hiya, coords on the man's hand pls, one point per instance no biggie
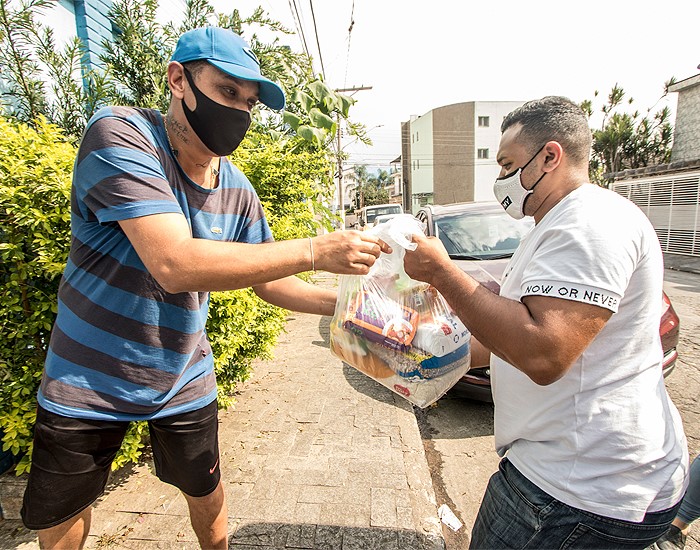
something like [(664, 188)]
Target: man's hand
[(428, 261), (347, 252)]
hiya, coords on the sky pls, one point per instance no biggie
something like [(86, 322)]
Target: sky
[(420, 55)]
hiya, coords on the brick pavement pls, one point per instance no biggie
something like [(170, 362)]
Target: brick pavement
[(313, 455)]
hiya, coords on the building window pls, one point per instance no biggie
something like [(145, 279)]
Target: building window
[(418, 164), (425, 199), (484, 121), (482, 153), (417, 136)]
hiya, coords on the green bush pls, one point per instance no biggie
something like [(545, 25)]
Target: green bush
[(35, 175), (287, 157), (241, 328), (294, 184), (35, 172)]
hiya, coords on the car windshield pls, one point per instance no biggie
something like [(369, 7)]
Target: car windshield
[(374, 212), (483, 236)]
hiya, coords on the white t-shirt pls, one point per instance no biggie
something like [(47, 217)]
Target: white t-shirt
[(604, 438)]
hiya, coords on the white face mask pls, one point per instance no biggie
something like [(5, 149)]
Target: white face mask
[(509, 190)]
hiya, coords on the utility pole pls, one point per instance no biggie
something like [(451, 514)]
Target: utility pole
[(341, 201)]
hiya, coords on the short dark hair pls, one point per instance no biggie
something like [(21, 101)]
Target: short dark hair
[(195, 67), (553, 118)]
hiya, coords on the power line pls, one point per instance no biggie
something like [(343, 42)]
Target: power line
[(347, 58), (341, 195), (318, 45), (300, 30)]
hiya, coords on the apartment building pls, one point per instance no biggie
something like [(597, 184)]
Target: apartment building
[(449, 153)]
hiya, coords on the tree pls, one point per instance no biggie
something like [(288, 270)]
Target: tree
[(140, 53), (371, 188), (25, 94), (41, 80), (627, 140), (288, 158), (137, 57)]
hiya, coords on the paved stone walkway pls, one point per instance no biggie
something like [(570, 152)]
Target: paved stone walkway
[(313, 455)]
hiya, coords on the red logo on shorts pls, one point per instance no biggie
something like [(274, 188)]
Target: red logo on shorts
[(211, 470), (402, 390)]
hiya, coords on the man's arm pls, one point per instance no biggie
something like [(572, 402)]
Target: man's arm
[(181, 263), (540, 336), (294, 294)]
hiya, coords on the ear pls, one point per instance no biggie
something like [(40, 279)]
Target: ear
[(553, 156), (176, 79)]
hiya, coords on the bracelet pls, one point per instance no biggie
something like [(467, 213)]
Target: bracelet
[(311, 248)]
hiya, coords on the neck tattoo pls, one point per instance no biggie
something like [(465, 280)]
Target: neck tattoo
[(213, 172), (167, 135)]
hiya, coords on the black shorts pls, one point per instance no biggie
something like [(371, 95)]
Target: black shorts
[(72, 457)]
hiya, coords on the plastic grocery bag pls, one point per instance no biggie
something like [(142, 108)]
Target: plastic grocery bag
[(400, 332)]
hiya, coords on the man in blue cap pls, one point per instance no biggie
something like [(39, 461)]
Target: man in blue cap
[(160, 217)]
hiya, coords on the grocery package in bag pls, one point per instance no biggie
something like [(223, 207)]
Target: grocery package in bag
[(400, 332)]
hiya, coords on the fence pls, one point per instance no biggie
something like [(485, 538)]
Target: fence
[(672, 204)]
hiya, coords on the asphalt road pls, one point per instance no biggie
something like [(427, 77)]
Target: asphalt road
[(458, 434)]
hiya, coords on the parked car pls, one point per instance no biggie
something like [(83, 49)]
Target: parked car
[(480, 238), (367, 215), (384, 218)]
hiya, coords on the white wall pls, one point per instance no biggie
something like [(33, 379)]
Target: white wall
[(422, 157), (396, 181), (486, 170), (349, 186), (60, 17), (686, 136)]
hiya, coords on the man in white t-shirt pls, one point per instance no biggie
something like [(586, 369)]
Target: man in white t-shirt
[(594, 450)]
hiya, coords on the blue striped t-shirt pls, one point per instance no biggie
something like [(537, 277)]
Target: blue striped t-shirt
[(122, 348)]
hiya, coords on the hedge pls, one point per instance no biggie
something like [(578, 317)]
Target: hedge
[(35, 176)]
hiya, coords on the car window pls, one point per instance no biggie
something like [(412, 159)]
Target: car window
[(374, 212), (383, 218), (481, 235)]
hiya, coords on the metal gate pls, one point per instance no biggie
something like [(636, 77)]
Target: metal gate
[(672, 204)]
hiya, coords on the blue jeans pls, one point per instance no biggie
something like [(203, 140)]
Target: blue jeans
[(690, 506), (515, 513)]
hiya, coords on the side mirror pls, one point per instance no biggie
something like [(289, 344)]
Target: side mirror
[(362, 222)]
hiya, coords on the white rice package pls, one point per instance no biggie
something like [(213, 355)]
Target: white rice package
[(400, 332)]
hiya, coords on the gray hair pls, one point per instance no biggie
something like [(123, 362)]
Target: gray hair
[(553, 118)]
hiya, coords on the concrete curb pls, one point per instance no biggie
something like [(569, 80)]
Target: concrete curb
[(679, 262)]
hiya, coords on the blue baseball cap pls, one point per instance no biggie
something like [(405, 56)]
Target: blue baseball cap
[(228, 52)]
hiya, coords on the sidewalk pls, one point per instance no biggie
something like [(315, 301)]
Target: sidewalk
[(313, 455), (679, 262)]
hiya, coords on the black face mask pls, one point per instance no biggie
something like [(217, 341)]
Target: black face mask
[(220, 128)]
